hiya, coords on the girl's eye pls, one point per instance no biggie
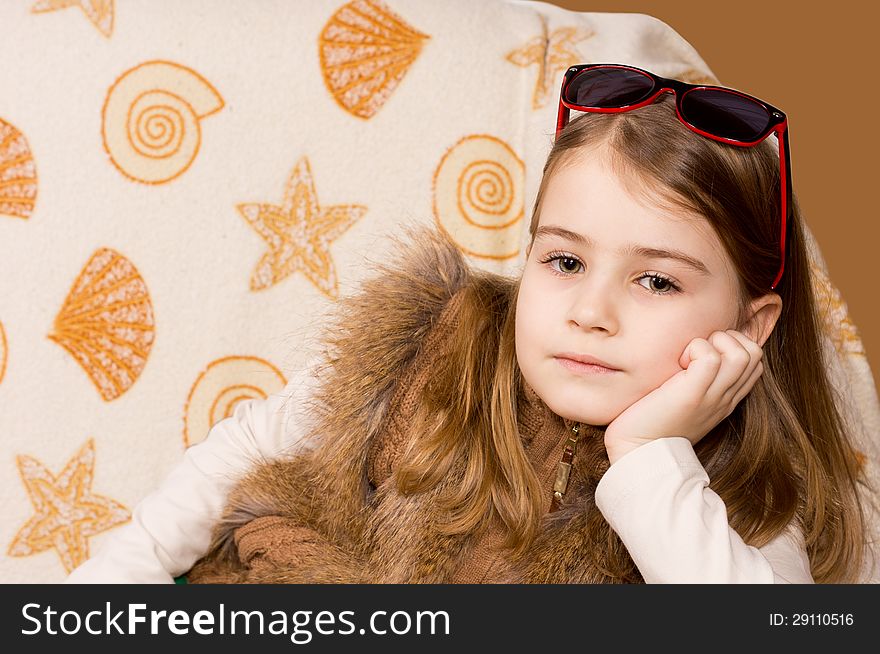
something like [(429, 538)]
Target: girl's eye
[(667, 286), (568, 265)]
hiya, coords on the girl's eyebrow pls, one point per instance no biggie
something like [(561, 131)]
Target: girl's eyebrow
[(630, 249)]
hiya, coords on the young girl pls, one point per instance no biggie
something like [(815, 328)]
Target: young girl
[(646, 403)]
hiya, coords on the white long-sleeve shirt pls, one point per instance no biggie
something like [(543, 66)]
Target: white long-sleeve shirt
[(657, 498)]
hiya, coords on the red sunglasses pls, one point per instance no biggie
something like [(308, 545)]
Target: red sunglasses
[(715, 112)]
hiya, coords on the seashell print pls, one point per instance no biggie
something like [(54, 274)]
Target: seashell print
[(221, 386), (2, 352), (106, 323), (478, 196), (151, 120), (66, 510), (99, 12), (365, 49), (18, 175)]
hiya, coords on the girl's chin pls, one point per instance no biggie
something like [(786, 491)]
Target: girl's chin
[(597, 418), (588, 405)]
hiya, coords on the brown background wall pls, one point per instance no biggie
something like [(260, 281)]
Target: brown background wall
[(815, 65)]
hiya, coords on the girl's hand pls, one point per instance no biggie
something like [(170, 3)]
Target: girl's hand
[(717, 373)]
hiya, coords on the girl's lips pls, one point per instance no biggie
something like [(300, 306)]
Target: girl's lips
[(585, 368)]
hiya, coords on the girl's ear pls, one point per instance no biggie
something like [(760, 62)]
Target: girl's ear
[(764, 311)]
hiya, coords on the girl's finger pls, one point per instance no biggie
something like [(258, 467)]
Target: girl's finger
[(751, 346), (696, 348), (701, 362), (735, 364), (754, 350), (748, 385)]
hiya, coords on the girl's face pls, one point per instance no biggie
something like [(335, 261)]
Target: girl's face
[(596, 283)]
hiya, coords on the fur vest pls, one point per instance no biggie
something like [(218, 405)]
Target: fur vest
[(331, 512)]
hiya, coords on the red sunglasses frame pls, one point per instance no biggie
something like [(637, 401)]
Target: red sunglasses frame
[(778, 125)]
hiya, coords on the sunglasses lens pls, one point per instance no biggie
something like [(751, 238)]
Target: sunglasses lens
[(608, 87), (725, 114)]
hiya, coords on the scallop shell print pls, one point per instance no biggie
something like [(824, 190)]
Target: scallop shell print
[(478, 196), (365, 50), (106, 323), (221, 386), (18, 176), (151, 120)]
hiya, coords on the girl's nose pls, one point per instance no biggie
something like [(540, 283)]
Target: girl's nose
[(594, 307)]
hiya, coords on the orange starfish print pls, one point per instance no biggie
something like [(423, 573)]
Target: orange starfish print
[(299, 233), (552, 53), (66, 512), (100, 12)]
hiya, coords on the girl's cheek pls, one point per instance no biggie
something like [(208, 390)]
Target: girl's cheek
[(660, 362)]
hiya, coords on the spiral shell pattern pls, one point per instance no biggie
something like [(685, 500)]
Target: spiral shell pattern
[(18, 176), (221, 386), (365, 50), (151, 120), (106, 323), (478, 196)]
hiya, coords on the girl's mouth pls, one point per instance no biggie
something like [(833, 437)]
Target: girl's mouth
[(585, 368)]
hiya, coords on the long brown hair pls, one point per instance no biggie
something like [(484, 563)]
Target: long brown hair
[(783, 455)]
